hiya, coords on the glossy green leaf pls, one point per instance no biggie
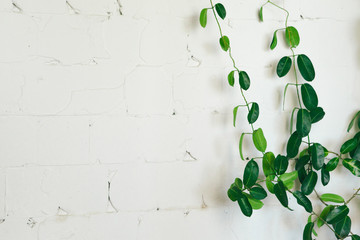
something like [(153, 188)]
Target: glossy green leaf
[(353, 166), (220, 9), (273, 41), (306, 67), (258, 193), (235, 110), (261, 14), (245, 205), (240, 145), (318, 156), (303, 201), (231, 78), (332, 164), (269, 184), (325, 176), (317, 114), (342, 228), (303, 122), (224, 43), (280, 193), (281, 164), (302, 174), (323, 215), (288, 179), (309, 183), (307, 231), (238, 183), (351, 124), (309, 96), (301, 162), (330, 197), (268, 164), (283, 66), (292, 37), (337, 214), (259, 140), (253, 113), (348, 146), (293, 145), (251, 173), (255, 203), (355, 237), (234, 193), (203, 17), (244, 80), (355, 154)]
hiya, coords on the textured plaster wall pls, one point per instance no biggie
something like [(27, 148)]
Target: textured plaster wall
[(115, 116)]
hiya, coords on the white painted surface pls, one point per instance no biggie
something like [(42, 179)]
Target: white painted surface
[(140, 100)]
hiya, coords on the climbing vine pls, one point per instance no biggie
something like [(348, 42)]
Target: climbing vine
[(313, 162)]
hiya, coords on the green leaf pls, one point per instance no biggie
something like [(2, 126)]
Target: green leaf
[(325, 176), (245, 205), (240, 145), (268, 164), (323, 215), (220, 9), (292, 118), (355, 154), (261, 14), (269, 184), (283, 66), (259, 140), (303, 201), (234, 193), (280, 193), (235, 114), (253, 113), (303, 122), (244, 80), (302, 174), (318, 156), (355, 237), (255, 203), (337, 214), (353, 166), (302, 162), (306, 67), (292, 37), (258, 193), (348, 146), (353, 121), (224, 43), (281, 164), (288, 179), (317, 114), (231, 78), (251, 173), (292, 147), (309, 96), (307, 231), (309, 183), (342, 228), (238, 183), (332, 164), (273, 41), (203, 17), (330, 197)]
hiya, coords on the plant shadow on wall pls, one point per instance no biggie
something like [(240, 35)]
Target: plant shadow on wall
[(306, 163)]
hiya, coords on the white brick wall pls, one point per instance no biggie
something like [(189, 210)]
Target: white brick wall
[(137, 107)]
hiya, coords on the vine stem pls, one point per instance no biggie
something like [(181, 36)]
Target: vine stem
[(353, 196)]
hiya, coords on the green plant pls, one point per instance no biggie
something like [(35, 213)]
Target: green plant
[(313, 163)]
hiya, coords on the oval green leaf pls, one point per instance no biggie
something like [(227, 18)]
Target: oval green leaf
[(253, 113), (244, 80), (318, 156), (245, 205), (349, 145), (255, 203), (292, 37), (302, 162), (283, 66), (203, 17), (220, 9), (273, 41), (259, 140), (342, 228), (309, 96), (325, 176), (261, 14), (269, 184), (323, 215), (240, 145), (234, 193), (224, 43), (292, 147), (303, 122), (309, 183), (355, 237), (337, 214), (303, 201), (332, 164), (302, 174), (235, 114), (330, 197), (281, 164), (258, 193), (288, 179), (251, 173), (355, 154), (353, 166), (306, 67), (307, 234), (317, 114), (353, 121), (231, 78), (280, 193), (268, 164)]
